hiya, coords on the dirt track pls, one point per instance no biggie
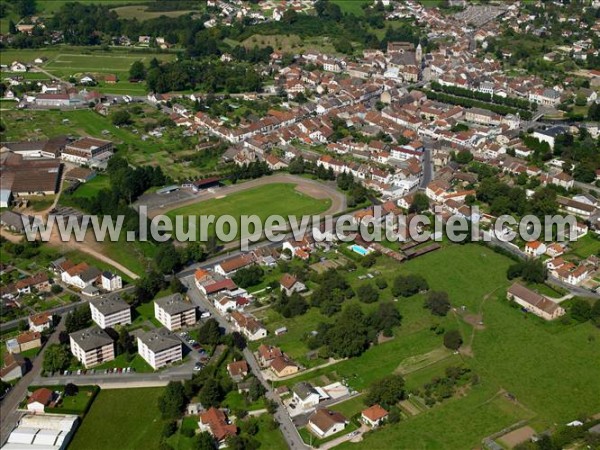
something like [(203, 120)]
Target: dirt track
[(312, 188)]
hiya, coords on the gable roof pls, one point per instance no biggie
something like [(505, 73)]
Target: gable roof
[(42, 395), (325, 419), (216, 421), (375, 413)]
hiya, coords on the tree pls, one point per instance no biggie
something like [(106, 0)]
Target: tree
[(581, 310), (167, 259), (25, 8), (367, 293), (173, 400), (120, 117), (137, 71), (453, 340), (255, 390), (437, 302), (386, 392), (249, 276), (125, 342), (381, 283), (386, 317), (56, 288), (70, 390), (595, 313), (464, 157), (210, 394), (408, 285), (209, 333), (56, 358), (78, 319), (348, 336), (204, 441), (419, 204), (12, 28), (169, 428)]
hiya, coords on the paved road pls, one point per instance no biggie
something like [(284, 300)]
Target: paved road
[(289, 431), (427, 169), (9, 416)]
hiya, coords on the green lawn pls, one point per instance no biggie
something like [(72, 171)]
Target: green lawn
[(236, 401), (124, 419), (263, 201), (76, 404), (269, 436), (459, 423), (352, 6), (137, 363), (180, 442), (585, 246)]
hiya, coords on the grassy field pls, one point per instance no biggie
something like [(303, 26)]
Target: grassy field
[(510, 352), (263, 201), (127, 419), (66, 64), (352, 6), (140, 13)]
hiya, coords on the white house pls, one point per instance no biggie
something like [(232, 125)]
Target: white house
[(535, 249), (108, 311), (39, 399), (111, 281), (81, 275), (174, 312), (325, 423), (374, 416), (248, 326), (159, 348), (305, 396), (92, 346), (40, 322)]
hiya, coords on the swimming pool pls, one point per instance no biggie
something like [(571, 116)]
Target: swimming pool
[(359, 249)]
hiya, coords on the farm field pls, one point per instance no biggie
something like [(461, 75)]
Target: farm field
[(110, 422), (263, 201)]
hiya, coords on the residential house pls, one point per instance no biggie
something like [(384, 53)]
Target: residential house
[(535, 249), (290, 284), (108, 311), (324, 422), (305, 395), (282, 366), (248, 326), (38, 282), (81, 275), (267, 353), (40, 322), (39, 399), (232, 265), (215, 422), (174, 312), (374, 416), (25, 341), (534, 302), (14, 367), (111, 281), (159, 347), (92, 346), (238, 370)]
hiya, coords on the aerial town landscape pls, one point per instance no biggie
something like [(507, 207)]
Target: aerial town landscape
[(479, 113)]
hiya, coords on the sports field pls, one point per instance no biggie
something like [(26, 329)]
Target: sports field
[(124, 419), (263, 201), (65, 64)]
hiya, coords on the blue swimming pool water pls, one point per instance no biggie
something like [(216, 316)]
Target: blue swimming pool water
[(359, 249)]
